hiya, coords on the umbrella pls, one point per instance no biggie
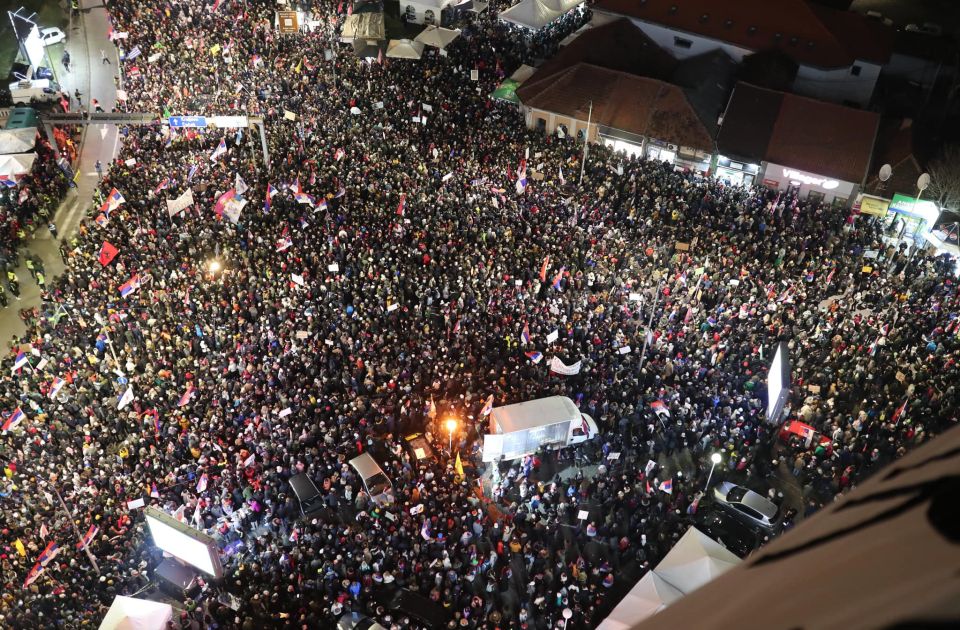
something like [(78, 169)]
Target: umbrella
[(17, 140), (16, 165)]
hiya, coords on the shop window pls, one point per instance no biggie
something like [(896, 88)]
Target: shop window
[(855, 71), (815, 196), (411, 13), (680, 42)]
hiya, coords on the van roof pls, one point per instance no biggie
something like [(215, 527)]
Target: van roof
[(534, 413), (365, 465)]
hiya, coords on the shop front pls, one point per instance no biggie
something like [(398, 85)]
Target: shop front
[(912, 217), (809, 186), (737, 173)]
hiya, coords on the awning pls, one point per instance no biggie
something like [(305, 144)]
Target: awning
[(130, 613), (437, 37), (523, 73), (507, 91), (17, 140), (404, 49)]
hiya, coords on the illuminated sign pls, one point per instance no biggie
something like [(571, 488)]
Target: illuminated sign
[(797, 178)]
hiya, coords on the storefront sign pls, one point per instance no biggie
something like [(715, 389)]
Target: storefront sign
[(796, 177), (771, 183), (874, 206)]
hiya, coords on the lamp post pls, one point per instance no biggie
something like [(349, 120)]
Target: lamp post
[(451, 424), (714, 460)]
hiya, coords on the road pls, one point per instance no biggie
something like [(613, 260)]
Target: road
[(86, 37)]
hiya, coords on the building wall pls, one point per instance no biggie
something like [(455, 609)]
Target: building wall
[(836, 85), (839, 85), (421, 9)]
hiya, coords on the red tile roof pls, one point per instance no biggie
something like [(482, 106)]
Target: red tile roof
[(806, 134), (812, 36), (623, 101)]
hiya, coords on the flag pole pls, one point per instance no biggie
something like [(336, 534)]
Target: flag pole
[(73, 524), (586, 141)]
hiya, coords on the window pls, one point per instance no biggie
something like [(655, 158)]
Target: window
[(749, 511), (680, 42), (541, 124), (428, 17), (855, 71), (728, 24)]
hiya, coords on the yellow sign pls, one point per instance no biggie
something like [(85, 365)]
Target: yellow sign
[(873, 205), (215, 49), (867, 269)]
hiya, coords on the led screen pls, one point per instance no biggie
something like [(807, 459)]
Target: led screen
[(173, 537), (778, 382)]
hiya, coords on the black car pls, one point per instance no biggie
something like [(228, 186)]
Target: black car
[(730, 532), (411, 604)]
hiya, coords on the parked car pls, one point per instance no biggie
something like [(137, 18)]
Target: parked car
[(428, 613), (794, 429), (357, 621), (43, 73), (307, 493), (732, 533), (747, 505), (375, 481), (52, 35)]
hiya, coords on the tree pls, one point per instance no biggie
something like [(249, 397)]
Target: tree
[(945, 179)]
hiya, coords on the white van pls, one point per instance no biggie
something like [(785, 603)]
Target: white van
[(375, 481), (35, 91), (524, 428)]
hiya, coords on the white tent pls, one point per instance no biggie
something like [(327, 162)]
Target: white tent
[(695, 560), (437, 37), (130, 613), (533, 14), (649, 596), (16, 165), (404, 49), (17, 140)]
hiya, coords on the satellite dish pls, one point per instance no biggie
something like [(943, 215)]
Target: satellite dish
[(885, 172), (923, 181)]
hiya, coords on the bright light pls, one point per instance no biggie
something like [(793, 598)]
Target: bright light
[(215, 266), (715, 458), (451, 424), (179, 544)]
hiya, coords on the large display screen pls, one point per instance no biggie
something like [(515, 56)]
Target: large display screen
[(778, 382), (184, 542)]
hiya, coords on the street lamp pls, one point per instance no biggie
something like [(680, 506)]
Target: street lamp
[(215, 266), (451, 424), (714, 460), (567, 613)]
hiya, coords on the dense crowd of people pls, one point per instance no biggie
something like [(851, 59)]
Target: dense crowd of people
[(379, 278)]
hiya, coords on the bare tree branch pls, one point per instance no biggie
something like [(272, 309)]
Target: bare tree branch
[(945, 178)]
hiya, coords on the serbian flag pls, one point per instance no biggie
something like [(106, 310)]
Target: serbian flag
[(284, 243), (557, 278), (667, 486), (154, 492), (49, 553), (13, 420), (130, 286), (534, 356), (20, 361), (271, 193), (543, 269), (222, 202), (899, 412), (112, 202), (187, 395), (403, 201), (302, 197), (525, 334), (162, 186), (563, 182), (487, 406), (34, 573), (338, 154), (321, 206), (55, 387), (88, 537), (107, 253), (7, 181), (220, 150), (202, 483), (660, 408), (216, 5)]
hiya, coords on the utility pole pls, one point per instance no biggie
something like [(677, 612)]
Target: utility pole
[(586, 141)]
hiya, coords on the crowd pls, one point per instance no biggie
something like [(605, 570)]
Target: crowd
[(378, 279)]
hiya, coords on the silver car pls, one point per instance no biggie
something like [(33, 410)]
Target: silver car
[(747, 505)]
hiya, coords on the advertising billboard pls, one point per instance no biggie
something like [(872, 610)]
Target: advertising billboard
[(778, 383), (183, 542)]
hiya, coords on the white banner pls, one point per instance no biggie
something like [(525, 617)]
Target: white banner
[(558, 366), (233, 208)]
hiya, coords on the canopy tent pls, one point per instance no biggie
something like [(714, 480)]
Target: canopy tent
[(130, 613), (367, 48), (507, 91), (16, 165), (694, 560), (523, 73), (404, 49), (363, 26), (17, 140), (649, 596), (535, 14), (437, 37)]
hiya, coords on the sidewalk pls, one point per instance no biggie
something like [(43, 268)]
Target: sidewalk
[(86, 36)]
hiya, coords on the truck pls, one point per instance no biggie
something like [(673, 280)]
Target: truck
[(524, 428), (34, 91)]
